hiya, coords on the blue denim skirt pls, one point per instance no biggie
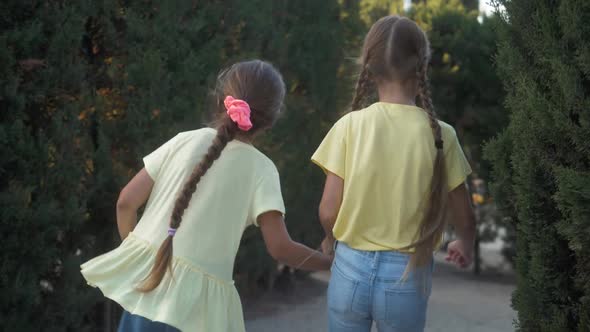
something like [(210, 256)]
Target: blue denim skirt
[(135, 323), (367, 287)]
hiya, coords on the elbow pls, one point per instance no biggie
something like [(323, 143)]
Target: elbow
[(123, 202)]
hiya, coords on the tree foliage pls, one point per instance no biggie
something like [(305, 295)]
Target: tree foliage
[(542, 159), (88, 88)]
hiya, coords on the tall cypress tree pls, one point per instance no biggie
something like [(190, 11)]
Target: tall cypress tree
[(542, 159)]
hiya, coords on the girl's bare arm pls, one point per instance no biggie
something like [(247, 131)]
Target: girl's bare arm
[(462, 217), (460, 251), (330, 203), (132, 197), (282, 248)]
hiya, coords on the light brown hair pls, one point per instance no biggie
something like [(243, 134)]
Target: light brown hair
[(397, 49), (262, 87)]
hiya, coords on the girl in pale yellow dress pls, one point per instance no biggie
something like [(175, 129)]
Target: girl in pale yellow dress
[(173, 270)]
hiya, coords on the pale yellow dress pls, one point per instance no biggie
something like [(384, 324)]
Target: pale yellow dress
[(242, 184)]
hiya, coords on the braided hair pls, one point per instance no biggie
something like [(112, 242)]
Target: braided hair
[(363, 90)]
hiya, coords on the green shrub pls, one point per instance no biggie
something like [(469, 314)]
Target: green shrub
[(542, 159)]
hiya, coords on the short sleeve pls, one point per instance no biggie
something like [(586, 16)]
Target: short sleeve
[(458, 167), (267, 195), (331, 154), (153, 161)]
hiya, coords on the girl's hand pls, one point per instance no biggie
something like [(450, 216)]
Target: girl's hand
[(459, 254)]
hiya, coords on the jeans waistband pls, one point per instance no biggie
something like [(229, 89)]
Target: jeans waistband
[(381, 255)]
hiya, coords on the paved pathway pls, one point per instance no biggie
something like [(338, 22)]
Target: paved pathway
[(460, 302)]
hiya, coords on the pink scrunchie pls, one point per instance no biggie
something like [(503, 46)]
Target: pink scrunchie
[(239, 111)]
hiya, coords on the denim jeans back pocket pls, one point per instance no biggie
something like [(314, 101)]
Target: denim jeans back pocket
[(405, 310), (341, 290)]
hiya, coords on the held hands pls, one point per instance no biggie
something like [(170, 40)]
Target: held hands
[(326, 255), (459, 254)]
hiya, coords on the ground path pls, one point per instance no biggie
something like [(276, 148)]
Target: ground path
[(460, 302)]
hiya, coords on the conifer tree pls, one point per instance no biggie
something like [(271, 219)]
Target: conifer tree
[(542, 159)]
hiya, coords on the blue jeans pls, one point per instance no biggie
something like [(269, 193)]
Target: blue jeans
[(366, 286), (136, 323)]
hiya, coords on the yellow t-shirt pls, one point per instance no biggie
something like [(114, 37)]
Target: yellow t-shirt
[(385, 154), (242, 184)]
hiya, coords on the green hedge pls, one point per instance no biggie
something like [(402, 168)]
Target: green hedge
[(542, 159)]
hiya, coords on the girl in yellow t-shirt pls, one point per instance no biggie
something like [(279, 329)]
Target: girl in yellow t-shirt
[(393, 172), (173, 270)]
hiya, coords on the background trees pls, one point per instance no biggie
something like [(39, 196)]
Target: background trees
[(88, 88)]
